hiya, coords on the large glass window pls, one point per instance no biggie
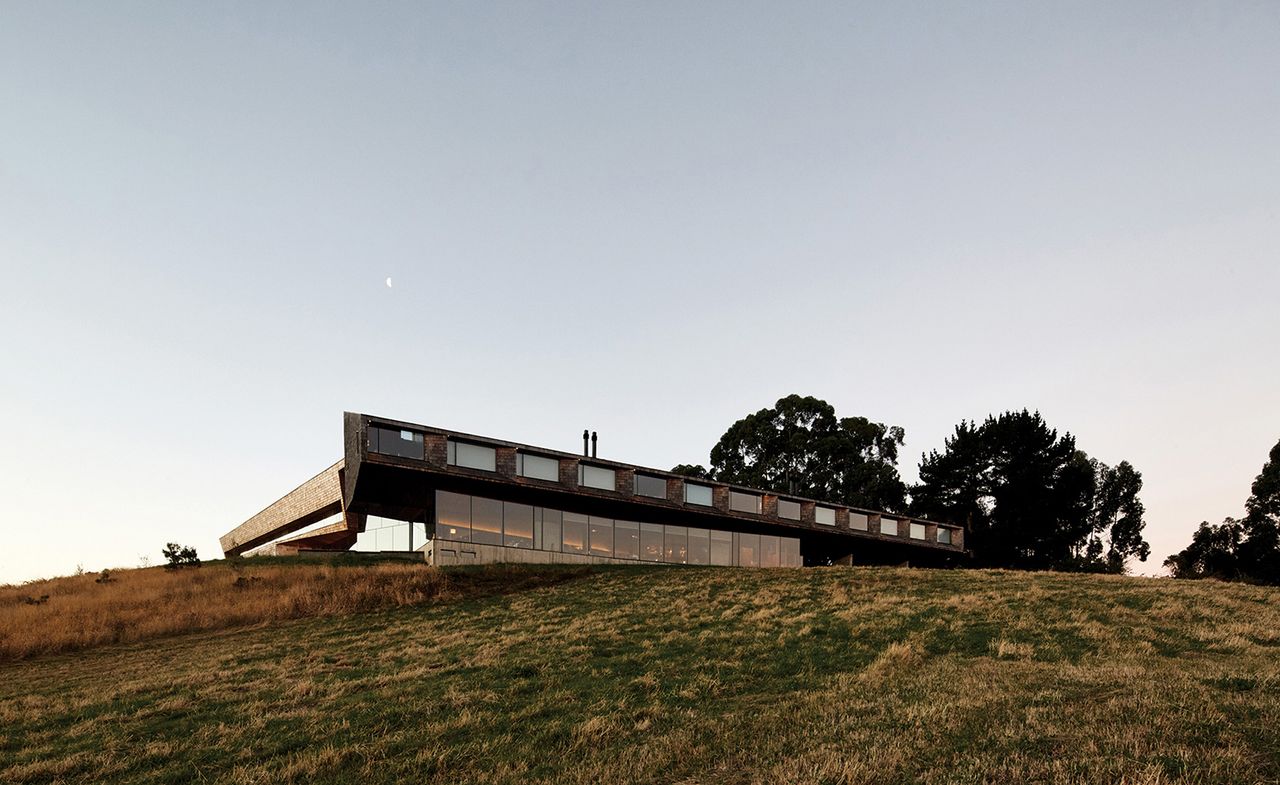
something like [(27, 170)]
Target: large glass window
[(857, 521), (486, 521), (597, 477), (626, 540), (648, 485), (790, 552), (721, 548), (574, 533), (748, 550), (944, 536), (788, 509), (699, 546), (393, 441), (889, 526), (651, 542), (472, 456), (453, 516), (389, 534), (824, 515), (697, 494), (601, 536), (770, 555), (744, 502), (676, 545), (537, 467), (517, 525), (917, 531), (551, 520)]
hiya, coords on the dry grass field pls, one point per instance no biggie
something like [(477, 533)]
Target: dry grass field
[(79, 611), (698, 675)]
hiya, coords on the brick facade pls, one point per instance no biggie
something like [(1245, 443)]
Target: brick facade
[(311, 502)]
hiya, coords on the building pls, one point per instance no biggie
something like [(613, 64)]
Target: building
[(455, 498)]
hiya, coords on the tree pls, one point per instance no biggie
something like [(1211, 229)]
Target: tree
[(800, 447), (1260, 550), (1117, 517), (694, 470), (1247, 549), (179, 556), (1213, 552), (1030, 499)]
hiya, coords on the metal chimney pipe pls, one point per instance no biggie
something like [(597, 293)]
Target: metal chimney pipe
[(585, 435), (593, 444)]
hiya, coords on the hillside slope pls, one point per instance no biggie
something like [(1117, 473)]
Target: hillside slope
[(836, 675)]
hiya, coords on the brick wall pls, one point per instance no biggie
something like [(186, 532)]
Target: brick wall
[(769, 505), (437, 449), (675, 490), (569, 472), (720, 498), (505, 461), (312, 501)]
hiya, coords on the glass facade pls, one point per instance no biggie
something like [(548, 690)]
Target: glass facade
[(769, 551), (889, 526), (537, 467), (453, 516), (722, 548), (551, 523), (699, 546), (824, 515), (390, 534), (491, 522), (676, 545), (744, 502), (402, 444), (917, 531), (626, 540), (517, 525), (857, 521), (648, 485), (788, 509), (651, 542), (790, 548), (601, 536), (486, 521), (597, 477), (697, 494), (472, 456), (574, 533)]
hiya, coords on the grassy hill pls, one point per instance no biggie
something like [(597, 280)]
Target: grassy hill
[(617, 675)]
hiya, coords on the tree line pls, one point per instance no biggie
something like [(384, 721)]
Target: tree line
[(1027, 495), (1239, 549)]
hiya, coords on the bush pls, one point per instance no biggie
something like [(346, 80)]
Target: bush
[(180, 556)]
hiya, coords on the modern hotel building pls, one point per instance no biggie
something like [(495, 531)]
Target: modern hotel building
[(455, 498)]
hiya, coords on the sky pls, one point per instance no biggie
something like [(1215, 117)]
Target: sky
[(647, 219)]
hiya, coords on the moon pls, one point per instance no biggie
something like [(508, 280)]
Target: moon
[(388, 282)]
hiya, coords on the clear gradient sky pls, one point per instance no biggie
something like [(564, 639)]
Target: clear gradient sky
[(646, 219)]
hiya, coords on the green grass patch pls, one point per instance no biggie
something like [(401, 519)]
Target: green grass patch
[(653, 674)]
